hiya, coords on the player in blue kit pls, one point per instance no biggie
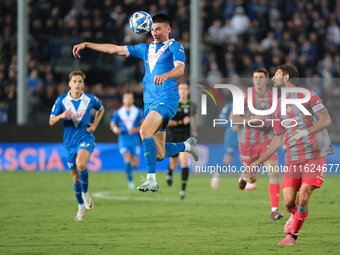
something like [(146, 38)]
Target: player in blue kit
[(230, 142), (125, 123), (74, 110), (164, 60)]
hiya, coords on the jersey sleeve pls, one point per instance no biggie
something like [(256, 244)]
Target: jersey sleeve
[(316, 102), (136, 51), (178, 53), (57, 108), (96, 103)]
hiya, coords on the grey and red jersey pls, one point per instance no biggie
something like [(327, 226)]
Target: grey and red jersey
[(309, 147), (256, 135)]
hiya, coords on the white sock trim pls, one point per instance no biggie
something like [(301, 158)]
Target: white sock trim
[(187, 146)]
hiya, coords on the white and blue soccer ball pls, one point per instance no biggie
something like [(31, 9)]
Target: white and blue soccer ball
[(140, 22)]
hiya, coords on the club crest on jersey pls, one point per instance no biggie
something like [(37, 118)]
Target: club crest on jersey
[(289, 109), (186, 110)]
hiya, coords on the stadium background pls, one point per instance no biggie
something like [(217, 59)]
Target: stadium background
[(237, 37)]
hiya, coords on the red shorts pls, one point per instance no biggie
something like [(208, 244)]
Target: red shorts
[(310, 171), (251, 153)]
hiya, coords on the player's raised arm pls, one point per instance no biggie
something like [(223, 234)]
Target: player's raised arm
[(323, 122), (175, 73), (101, 47), (55, 119)]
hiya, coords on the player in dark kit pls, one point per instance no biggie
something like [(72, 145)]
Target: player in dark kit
[(179, 129)]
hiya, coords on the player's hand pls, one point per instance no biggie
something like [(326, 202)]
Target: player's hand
[(77, 48), (117, 130), (91, 128), (67, 114), (186, 120), (251, 171), (298, 134), (160, 79)]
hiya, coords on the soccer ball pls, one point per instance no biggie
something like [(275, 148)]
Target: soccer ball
[(140, 22)]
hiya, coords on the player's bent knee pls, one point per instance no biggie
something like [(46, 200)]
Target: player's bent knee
[(144, 132), (81, 166), (289, 204)]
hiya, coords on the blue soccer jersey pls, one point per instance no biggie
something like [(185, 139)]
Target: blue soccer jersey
[(159, 58), (75, 127), (125, 120)]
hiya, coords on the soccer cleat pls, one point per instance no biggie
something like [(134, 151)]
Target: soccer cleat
[(214, 182), (88, 202), (193, 150), (168, 179), (242, 182), (148, 185), (131, 185), (250, 186), (289, 224), (276, 215), (289, 240), (182, 194), (80, 214)]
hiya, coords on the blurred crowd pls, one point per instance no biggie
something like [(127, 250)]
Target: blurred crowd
[(238, 36)]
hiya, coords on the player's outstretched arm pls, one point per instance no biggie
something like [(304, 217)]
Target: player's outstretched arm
[(92, 126), (101, 47), (175, 73), (55, 119), (323, 122), (274, 146)]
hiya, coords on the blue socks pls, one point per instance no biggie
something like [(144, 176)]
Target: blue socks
[(84, 179), (77, 192), (150, 154), (128, 171), (172, 149)]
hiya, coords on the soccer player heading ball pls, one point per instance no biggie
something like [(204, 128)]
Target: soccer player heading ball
[(306, 146), (74, 109), (164, 60)]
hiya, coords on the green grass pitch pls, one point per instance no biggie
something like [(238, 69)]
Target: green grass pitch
[(37, 211)]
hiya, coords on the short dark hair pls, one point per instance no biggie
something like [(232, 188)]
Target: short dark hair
[(77, 72), (161, 18), (290, 70), (261, 70)]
